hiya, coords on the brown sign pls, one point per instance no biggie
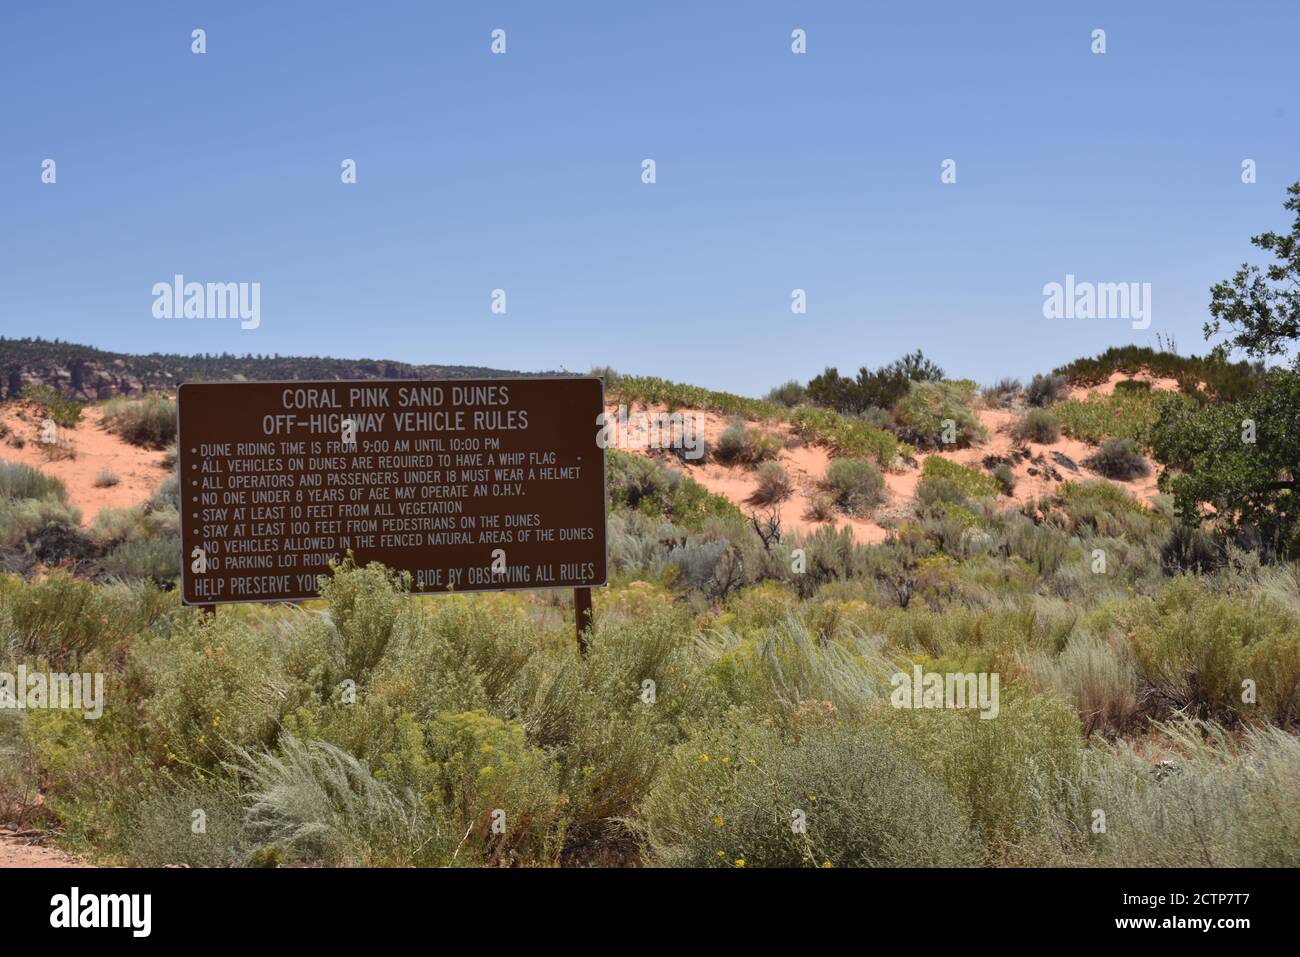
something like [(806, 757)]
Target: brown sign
[(467, 484)]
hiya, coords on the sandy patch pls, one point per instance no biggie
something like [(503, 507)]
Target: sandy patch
[(19, 849), (139, 470), (1158, 384)]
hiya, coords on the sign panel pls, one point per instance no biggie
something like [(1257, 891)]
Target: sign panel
[(467, 484)]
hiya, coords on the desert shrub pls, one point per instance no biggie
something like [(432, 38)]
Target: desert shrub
[(22, 481), (1038, 425), (1005, 478), (713, 566), (1045, 390), (59, 619), (1104, 509), (482, 764), (1213, 802), (1189, 549), (53, 403), (642, 484), (788, 394), (970, 482), (1121, 415), (167, 495), (312, 802), (365, 605), (1226, 381), (161, 830), (652, 391), (779, 667), (742, 445), (156, 558), (855, 485), (830, 554), (204, 691), (848, 436), (1097, 677), (637, 542), (20, 790), (106, 478), (136, 523), (880, 389), (1195, 652), (774, 484), (1002, 393), (1118, 459), (149, 420), (1133, 385), (1012, 774), (820, 508), (921, 416), (729, 796), (22, 520)]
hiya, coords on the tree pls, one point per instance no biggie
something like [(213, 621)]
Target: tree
[(880, 389), (1264, 318), (1238, 462)]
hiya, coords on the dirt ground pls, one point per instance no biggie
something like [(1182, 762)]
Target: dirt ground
[(93, 449), (20, 849)]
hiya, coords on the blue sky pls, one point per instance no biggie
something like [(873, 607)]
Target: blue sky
[(775, 171)]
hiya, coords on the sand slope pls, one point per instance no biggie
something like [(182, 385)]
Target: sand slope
[(1037, 475), (140, 470)]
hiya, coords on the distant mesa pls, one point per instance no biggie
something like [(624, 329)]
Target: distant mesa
[(88, 374)]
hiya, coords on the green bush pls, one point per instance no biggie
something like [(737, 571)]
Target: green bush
[(848, 436), (739, 796), (653, 391), (1104, 509), (149, 421), (1121, 415), (53, 403), (22, 481), (1214, 801), (1133, 385), (774, 484), (365, 605), (788, 394), (855, 485), (157, 559), (1118, 459), (1005, 478), (1038, 425), (1045, 390), (970, 482), (1097, 677), (1196, 652), (1012, 774), (651, 488), (741, 445), (922, 416)]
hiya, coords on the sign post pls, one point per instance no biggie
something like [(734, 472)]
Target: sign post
[(465, 484), (582, 617)]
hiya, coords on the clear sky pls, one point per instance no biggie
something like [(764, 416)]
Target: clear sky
[(522, 172)]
